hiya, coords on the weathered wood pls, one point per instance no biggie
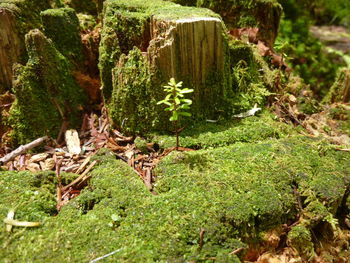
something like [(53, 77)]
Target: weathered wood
[(189, 48), (10, 47)]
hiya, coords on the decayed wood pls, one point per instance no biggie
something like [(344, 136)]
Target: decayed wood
[(22, 149), (73, 142), (200, 41), (10, 47)]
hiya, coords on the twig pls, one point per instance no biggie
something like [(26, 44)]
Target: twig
[(59, 180), (81, 177), (201, 239), (22, 149), (236, 251), (107, 255)]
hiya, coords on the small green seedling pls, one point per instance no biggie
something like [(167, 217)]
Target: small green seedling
[(176, 103)]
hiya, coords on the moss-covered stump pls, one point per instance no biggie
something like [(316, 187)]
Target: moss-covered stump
[(340, 91), (61, 25), (262, 14), (186, 43), (46, 93), (145, 44), (209, 203), (17, 17)]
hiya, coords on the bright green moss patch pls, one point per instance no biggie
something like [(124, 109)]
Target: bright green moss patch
[(46, 93), (225, 132), (233, 193), (61, 25)]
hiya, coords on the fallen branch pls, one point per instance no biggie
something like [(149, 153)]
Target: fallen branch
[(22, 149)]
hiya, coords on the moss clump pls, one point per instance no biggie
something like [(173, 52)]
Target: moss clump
[(134, 101), (62, 26), (340, 90), (46, 93), (86, 6), (300, 239)]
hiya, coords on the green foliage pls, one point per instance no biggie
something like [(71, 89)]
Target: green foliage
[(306, 54), (175, 100), (177, 104)]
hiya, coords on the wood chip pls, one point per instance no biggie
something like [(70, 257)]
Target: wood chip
[(38, 157), (73, 141), (33, 167)]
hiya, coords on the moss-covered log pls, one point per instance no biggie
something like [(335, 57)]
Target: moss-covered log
[(46, 93), (340, 91)]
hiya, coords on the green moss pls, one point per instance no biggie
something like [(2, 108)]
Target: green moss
[(62, 26), (300, 239), (340, 90), (86, 22), (208, 135), (232, 193), (46, 92), (135, 93), (86, 6)]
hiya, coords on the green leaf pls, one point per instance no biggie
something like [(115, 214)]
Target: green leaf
[(177, 101), (187, 101), (183, 91), (175, 116), (186, 114)]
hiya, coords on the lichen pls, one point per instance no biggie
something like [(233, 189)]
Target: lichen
[(46, 93)]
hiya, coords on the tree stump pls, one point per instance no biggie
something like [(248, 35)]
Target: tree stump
[(189, 44)]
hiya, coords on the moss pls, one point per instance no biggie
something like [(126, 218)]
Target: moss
[(26, 16), (62, 27), (133, 83), (86, 22), (86, 6), (233, 193), (206, 135), (46, 93), (300, 239), (340, 90)]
